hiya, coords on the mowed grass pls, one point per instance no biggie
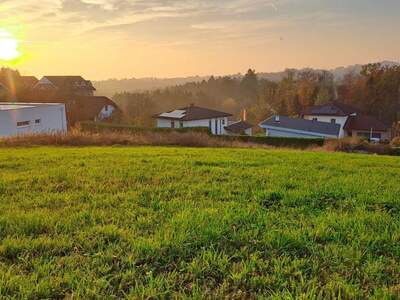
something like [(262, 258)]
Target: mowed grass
[(154, 222)]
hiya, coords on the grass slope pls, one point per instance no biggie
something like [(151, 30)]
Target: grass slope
[(185, 222)]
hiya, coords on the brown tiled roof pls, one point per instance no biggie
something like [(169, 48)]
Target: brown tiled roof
[(331, 109), (193, 113), (78, 108), (365, 123), (29, 81), (238, 127), (70, 82)]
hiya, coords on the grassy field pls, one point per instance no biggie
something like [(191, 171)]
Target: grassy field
[(169, 222)]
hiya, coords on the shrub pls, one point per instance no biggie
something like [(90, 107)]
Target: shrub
[(356, 144), (395, 142)]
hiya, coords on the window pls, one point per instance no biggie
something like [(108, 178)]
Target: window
[(333, 121), (209, 124), (106, 108), (315, 119), (23, 123), (38, 121), (181, 124), (172, 124), (223, 121)]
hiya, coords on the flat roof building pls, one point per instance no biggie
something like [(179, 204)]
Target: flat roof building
[(27, 118)]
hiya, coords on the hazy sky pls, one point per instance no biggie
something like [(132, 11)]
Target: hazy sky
[(124, 38)]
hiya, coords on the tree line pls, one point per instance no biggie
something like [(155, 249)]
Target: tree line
[(375, 91)]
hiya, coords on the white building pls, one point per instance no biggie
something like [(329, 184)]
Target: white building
[(194, 116), (352, 122), (282, 126), (26, 118)]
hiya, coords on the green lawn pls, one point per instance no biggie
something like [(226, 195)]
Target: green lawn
[(185, 222)]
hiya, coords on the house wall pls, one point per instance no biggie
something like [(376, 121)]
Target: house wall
[(217, 124), (52, 119), (273, 132), (327, 119), (385, 136), (249, 131), (106, 112)]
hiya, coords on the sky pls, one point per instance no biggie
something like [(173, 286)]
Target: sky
[(102, 39)]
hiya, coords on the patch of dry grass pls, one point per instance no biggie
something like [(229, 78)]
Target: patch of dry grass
[(80, 138)]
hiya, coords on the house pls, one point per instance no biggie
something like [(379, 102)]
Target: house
[(239, 128), (23, 118), (352, 122), (194, 116), (28, 82), (78, 108), (66, 85), (282, 126)]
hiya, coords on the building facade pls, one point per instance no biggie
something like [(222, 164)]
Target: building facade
[(28, 118), (194, 116)]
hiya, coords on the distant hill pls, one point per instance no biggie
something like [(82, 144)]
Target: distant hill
[(112, 86)]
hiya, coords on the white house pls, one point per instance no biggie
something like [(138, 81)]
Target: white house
[(281, 126), (25, 118), (194, 116), (352, 122)]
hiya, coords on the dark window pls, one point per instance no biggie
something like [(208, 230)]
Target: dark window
[(38, 121), (315, 119), (209, 124), (106, 108), (23, 123), (181, 124), (216, 126), (172, 124), (333, 121), (223, 121)]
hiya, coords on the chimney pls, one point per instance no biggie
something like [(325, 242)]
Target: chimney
[(277, 119), (244, 115)]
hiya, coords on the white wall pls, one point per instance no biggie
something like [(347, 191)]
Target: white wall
[(327, 119), (106, 112), (275, 132), (52, 119), (217, 124)]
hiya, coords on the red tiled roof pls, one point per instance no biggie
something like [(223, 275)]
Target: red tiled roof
[(365, 123), (68, 82), (29, 81), (79, 108)]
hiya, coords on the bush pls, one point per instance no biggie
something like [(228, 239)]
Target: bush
[(108, 127), (395, 142), (356, 144)]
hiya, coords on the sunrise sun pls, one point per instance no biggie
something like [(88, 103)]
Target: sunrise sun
[(8, 46)]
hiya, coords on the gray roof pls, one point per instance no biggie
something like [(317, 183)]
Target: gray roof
[(302, 125)]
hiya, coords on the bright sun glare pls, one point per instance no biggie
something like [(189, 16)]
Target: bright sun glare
[(8, 46)]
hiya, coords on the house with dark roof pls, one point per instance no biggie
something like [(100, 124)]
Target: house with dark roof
[(78, 108), (239, 128), (67, 85), (194, 116), (28, 82), (351, 120), (282, 126)]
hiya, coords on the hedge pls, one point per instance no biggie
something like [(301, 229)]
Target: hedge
[(279, 141)]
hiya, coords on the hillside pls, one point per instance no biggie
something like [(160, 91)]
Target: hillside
[(112, 86), (120, 222)]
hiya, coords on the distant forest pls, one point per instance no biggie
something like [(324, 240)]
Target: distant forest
[(374, 90)]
